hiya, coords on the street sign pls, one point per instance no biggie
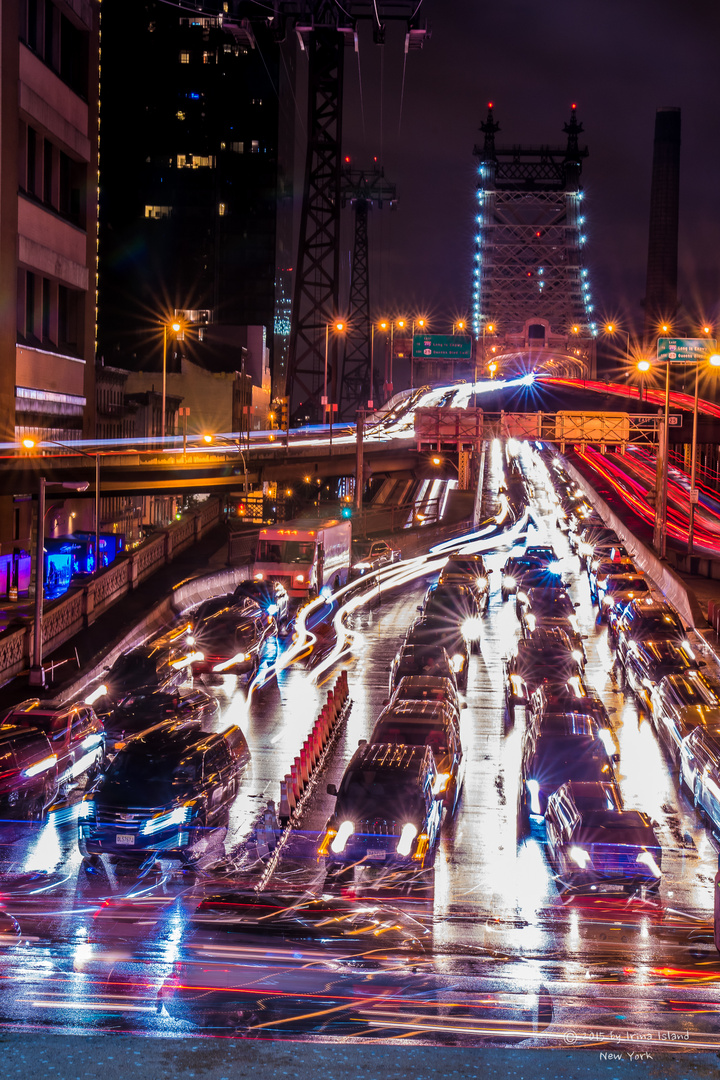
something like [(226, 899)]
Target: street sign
[(685, 350), (675, 420), (694, 495), (442, 347)]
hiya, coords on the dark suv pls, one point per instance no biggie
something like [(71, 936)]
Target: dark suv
[(28, 772), (386, 813), (75, 734), (162, 792), (142, 711)]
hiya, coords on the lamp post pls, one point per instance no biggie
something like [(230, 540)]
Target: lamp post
[(37, 673), (643, 367), (339, 326), (421, 324), (175, 326)]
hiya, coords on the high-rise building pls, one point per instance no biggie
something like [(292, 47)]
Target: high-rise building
[(188, 178), (48, 217)]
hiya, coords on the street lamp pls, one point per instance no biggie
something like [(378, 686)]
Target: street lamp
[(176, 327), (643, 367), (340, 328), (37, 674)]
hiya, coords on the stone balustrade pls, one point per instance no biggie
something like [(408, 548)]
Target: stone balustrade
[(81, 606)]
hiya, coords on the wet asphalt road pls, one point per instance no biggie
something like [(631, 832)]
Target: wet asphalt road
[(520, 965)]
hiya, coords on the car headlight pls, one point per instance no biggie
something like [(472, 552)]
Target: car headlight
[(299, 577), (238, 658), (259, 577), (481, 582), (408, 834), (510, 581), (534, 793), (522, 598), (531, 621), (607, 601), (272, 609), (577, 655), (585, 549), (41, 766), (581, 857), (555, 567), (342, 836), (646, 858), (178, 816), (441, 782), (99, 692), (457, 663), (471, 629), (86, 809), (607, 741), (687, 649), (518, 687)]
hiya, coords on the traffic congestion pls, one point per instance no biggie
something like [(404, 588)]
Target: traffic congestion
[(519, 801)]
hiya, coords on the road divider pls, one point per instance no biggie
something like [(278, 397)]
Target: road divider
[(299, 783)]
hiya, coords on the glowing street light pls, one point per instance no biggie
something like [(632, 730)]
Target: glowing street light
[(176, 326)]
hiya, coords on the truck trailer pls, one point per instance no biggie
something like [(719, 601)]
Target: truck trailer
[(304, 555)]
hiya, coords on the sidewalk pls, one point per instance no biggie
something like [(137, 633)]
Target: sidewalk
[(96, 640)]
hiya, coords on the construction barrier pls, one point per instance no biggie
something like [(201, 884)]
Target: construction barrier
[(311, 754)]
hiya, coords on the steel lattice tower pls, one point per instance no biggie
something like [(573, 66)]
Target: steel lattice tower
[(362, 190), (529, 240), (324, 27)]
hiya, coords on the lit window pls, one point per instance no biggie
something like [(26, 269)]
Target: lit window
[(227, 48), (180, 114), (157, 212), (181, 161), (222, 209), (237, 147), (257, 101), (255, 147), (184, 57), (208, 58)]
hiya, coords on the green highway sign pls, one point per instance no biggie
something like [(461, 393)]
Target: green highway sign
[(441, 347), (685, 350)]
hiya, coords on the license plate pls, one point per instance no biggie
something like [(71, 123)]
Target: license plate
[(376, 853), (128, 839)]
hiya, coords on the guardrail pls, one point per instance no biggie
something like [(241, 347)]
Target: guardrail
[(81, 606)]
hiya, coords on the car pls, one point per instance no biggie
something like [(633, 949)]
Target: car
[(545, 555), (369, 555), (387, 810), (645, 619), (421, 660), (593, 539), (269, 595), (156, 666), (28, 772), (454, 601), (231, 642), (594, 842), (470, 570), (145, 709), (599, 569), (433, 724), (699, 771), (162, 792), (538, 577), (427, 688), (76, 735), (514, 567), (545, 653), (538, 605), (427, 631), (680, 703), (546, 721), (649, 661), (615, 591), (548, 761), (284, 963), (553, 695)]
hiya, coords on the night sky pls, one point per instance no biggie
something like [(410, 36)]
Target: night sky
[(618, 59)]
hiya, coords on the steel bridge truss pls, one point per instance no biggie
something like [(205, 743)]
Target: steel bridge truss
[(529, 238), (363, 190)]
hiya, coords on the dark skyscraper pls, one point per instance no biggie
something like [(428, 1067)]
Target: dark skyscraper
[(662, 265), (188, 175)]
